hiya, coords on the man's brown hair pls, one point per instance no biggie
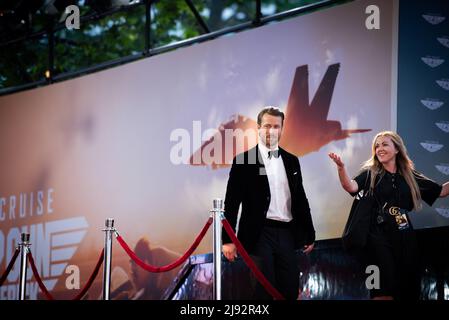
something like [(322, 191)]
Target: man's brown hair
[(273, 111)]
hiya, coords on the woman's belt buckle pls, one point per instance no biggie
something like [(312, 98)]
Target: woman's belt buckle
[(400, 216)]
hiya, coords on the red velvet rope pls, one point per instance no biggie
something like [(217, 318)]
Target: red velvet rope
[(83, 291), (38, 277), (259, 275), (92, 277), (9, 267), (172, 265)]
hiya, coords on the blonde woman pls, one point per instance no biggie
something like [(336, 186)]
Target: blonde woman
[(398, 188)]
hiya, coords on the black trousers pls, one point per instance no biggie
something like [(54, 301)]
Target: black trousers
[(396, 253), (275, 255)]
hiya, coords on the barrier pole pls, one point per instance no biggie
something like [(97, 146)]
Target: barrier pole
[(109, 230), (24, 244), (217, 216)]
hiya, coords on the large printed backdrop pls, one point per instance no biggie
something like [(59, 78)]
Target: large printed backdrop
[(121, 143)]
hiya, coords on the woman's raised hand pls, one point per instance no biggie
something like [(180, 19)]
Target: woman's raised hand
[(336, 158)]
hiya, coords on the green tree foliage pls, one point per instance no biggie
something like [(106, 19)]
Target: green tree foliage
[(106, 38), (118, 35)]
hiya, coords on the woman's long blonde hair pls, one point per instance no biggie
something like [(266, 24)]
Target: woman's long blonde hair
[(404, 165)]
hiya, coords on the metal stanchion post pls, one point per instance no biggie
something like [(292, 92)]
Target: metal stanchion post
[(107, 258), (217, 215), (24, 244)]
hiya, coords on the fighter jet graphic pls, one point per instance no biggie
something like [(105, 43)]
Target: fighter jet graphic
[(306, 127)]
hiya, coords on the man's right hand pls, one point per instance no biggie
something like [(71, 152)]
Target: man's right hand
[(229, 251)]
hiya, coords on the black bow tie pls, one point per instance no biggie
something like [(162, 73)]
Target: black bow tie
[(274, 153)]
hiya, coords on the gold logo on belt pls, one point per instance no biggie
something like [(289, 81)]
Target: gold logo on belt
[(400, 215), (394, 211)]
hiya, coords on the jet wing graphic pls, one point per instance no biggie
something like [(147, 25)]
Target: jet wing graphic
[(306, 127), (233, 137)]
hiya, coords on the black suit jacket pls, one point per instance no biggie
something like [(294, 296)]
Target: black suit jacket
[(248, 186)]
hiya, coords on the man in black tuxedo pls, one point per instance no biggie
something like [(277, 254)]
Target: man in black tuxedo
[(275, 219)]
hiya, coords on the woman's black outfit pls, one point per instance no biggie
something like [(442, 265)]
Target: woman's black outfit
[(392, 243)]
